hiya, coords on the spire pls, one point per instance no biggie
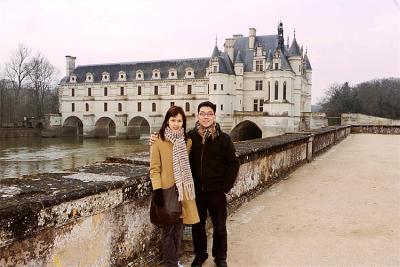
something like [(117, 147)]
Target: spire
[(281, 40), (238, 58), (215, 52), (294, 49), (287, 41), (301, 51), (307, 61)]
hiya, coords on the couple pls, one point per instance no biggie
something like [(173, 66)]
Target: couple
[(203, 166)]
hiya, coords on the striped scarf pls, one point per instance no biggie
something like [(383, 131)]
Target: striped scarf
[(180, 159), (207, 132)]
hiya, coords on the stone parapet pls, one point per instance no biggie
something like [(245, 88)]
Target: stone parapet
[(98, 215)]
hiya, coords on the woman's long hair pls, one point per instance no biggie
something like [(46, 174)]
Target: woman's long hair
[(172, 112)]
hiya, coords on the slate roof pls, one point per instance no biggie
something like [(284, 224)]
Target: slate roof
[(198, 65), (294, 49), (238, 58), (307, 62), (285, 65)]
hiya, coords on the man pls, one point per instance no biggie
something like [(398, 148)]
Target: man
[(214, 169)]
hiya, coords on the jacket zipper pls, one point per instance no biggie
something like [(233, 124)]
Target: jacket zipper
[(201, 168)]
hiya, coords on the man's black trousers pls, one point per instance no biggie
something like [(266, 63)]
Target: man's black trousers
[(215, 203)]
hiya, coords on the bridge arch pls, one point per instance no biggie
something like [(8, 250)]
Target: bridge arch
[(105, 127), (245, 130), (137, 127), (73, 126)]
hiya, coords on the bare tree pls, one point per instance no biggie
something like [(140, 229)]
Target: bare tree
[(17, 71), (42, 78)]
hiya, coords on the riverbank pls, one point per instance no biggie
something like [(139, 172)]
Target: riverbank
[(19, 132)]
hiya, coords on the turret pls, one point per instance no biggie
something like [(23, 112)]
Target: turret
[(294, 57), (238, 64)]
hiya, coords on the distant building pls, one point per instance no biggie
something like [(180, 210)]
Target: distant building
[(261, 86)]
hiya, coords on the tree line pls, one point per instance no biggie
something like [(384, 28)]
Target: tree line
[(379, 98), (28, 87)]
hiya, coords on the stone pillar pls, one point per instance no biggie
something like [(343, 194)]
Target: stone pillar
[(310, 148), (88, 125)]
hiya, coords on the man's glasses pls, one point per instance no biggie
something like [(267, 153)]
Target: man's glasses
[(209, 114)]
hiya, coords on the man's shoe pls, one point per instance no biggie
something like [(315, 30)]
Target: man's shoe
[(221, 263), (199, 260)]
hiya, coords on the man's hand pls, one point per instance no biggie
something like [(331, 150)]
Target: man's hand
[(153, 138), (158, 197)]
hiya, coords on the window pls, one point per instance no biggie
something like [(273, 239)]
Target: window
[(215, 87), (105, 91), (139, 75), (259, 65), (189, 89), (222, 107), (189, 73), (269, 90), (258, 104), (222, 87), (89, 91), (172, 104), (73, 107), (87, 107), (121, 76), (172, 89), (187, 107), (155, 90), (156, 74), (172, 74), (153, 107), (215, 69), (139, 90), (276, 90), (276, 66), (73, 92), (139, 106), (284, 90), (119, 107), (105, 106), (122, 90), (259, 85)]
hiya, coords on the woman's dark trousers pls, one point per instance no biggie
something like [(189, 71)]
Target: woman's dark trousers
[(171, 243)]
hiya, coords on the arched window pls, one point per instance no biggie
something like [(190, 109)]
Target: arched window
[(284, 90), (187, 107), (119, 107), (276, 90), (73, 92), (153, 107), (87, 107)]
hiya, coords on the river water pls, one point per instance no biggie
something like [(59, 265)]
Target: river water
[(30, 155)]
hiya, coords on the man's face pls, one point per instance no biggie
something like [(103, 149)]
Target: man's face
[(206, 116)]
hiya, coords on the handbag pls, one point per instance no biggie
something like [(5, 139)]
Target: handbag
[(168, 214)]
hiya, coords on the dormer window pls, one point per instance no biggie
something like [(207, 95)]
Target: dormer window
[(259, 51), (259, 65), (156, 74), (105, 77), (89, 77), (72, 78), (172, 74), (139, 75), (122, 76), (189, 73)]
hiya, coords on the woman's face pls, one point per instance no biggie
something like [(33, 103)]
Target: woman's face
[(175, 123)]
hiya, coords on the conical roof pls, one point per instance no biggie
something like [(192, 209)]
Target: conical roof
[(294, 49), (215, 52)]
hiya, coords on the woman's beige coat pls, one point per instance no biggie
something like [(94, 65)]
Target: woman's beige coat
[(162, 176)]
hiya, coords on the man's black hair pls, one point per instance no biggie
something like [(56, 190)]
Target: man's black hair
[(207, 104)]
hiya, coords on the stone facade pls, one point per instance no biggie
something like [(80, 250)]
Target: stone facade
[(254, 74)]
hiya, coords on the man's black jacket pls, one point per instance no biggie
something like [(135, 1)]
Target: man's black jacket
[(214, 164)]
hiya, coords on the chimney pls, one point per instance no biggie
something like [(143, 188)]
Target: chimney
[(70, 64), (252, 37), (235, 36), (229, 47)]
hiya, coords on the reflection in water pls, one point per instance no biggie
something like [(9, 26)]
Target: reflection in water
[(30, 155)]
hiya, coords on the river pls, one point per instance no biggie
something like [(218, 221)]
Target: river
[(31, 155)]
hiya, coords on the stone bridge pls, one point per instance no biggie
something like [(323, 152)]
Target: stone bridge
[(340, 209)]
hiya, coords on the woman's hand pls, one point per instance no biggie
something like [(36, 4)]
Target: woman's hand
[(158, 197), (153, 138)]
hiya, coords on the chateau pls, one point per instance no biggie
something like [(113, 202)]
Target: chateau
[(261, 86)]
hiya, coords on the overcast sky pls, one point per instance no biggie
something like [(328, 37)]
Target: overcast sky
[(354, 41)]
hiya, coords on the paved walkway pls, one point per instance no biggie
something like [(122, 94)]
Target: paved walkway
[(343, 209)]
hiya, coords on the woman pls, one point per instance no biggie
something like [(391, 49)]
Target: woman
[(169, 166)]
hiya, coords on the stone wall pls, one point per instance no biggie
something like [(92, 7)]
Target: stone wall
[(98, 215), (18, 132), (376, 129), (361, 119)]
